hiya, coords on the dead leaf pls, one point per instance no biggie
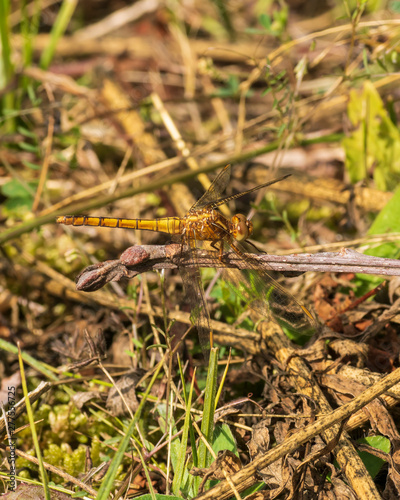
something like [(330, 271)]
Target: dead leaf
[(126, 385), (315, 352), (31, 492), (394, 284), (392, 487), (259, 444), (382, 422), (226, 463), (340, 490), (350, 350), (7, 394), (81, 398), (260, 439), (118, 350)]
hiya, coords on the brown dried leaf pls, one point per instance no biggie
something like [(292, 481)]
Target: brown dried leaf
[(324, 450), (358, 353), (260, 439), (259, 444), (31, 492), (264, 495), (81, 398), (342, 384), (340, 490), (394, 284), (13, 381), (118, 350), (316, 352), (382, 422), (392, 487), (281, 430), (127, 387), (226, 463)]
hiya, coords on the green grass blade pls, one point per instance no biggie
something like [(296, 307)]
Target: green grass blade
[(27, 358), (6, 66), (146, 472), (108, 482), (43, 473), (207, 424), (167, 424), (178, 480), (59, 27), (5, 35)]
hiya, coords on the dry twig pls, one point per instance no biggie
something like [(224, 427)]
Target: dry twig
[(138, 259)]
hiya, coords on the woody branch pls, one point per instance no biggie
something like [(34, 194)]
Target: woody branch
[(142, 258)]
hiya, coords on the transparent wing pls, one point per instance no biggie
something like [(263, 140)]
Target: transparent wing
[(215, 190), (199, 315), (212, 197), (226, 199), (262, 293)]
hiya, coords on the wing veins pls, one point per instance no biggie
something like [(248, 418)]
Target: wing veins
[(226, 199), (259, 285), (213, 193), (199, 315)]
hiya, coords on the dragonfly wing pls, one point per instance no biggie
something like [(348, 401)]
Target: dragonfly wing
[(215, 190), (262, 293), (200, 315)]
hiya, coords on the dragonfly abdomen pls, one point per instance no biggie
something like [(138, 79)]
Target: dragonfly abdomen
[(170, 225)]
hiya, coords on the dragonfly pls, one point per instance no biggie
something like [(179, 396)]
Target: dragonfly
[(204, 225)]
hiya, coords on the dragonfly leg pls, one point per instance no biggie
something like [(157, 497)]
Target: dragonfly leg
[(218, 245), (184, 241)]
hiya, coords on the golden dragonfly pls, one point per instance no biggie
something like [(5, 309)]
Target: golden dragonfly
[(206, 224)]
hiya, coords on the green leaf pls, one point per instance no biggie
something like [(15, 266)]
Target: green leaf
[(265, 21), (19, 206), (387, 221), (395, 6), (26, 132), (374, 144), (58, 28), (372, 463), (166, 424), (224, 440), (31, 148), (15, 189), (31, 165), (231, 89), (20, 196)]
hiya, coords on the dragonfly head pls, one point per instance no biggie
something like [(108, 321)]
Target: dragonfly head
[(242, 228)]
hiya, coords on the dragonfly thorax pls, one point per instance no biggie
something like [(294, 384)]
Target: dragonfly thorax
[(211, 225), (242, 228)]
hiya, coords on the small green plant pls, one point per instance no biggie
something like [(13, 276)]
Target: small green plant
[(372, 462), (272, 24), (373, 147)]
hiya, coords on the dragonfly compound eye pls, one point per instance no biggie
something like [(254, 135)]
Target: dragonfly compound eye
[(241, 227)]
